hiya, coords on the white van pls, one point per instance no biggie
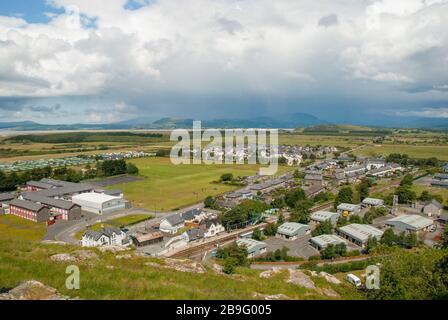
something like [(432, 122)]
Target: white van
[(354, 280)]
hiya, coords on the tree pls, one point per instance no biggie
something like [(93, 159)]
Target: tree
[(279, 202), (235, 252), (297, 174), (281, 218), (227, 177), (210, 202), (407, 180), (405, 194), (131, 169), (444, 243), (371, 244), (230, 265), (323, 228), (301, 211), (257, 235), (364, 189), (425, 196), (345, 195), (389, 238), (293, 196)]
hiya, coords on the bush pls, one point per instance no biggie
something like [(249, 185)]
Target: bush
[(230, 265), (131, 169)]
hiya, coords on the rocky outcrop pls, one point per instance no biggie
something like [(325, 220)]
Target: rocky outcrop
[(269, 273), (330, 278), (299, 278), (32, 290), (279, 296)]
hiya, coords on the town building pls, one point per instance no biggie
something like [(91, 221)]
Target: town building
[(37, 186), (172, 224), (441, 176), (439, 184), (372, 202), (323, 241), (348, 209), (105, 237), (5, 199), (410, 223), (193, 234), (323, 216), (443, 219), (359, 233), (254, 247), (147, 239), (114, 193), (292, 230), (212, 228), (59, 209), (433, 208), (385, 171), (98, 203), (29, 210)]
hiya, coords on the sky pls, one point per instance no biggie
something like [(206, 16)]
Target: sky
[(105, 61)]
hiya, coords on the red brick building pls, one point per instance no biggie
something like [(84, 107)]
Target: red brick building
[(29, 210)]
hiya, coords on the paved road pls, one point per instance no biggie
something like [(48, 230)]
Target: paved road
[(297, 248)]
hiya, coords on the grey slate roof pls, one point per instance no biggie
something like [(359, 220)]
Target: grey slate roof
[(435, 203), (56, 203), (6, 196), (113, 192), (191, 214), (175, 219), (39, 184), (24, 204)]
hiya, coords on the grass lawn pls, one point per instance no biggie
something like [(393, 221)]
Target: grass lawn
[(169, 187), (12, 227), (419, 151), (435, 191), (314, 140)]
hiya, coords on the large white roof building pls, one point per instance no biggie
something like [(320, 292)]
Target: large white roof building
[(98, 203), (359, 233), (410, 223)]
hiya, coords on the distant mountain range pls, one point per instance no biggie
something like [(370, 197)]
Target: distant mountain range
[(287, 121)]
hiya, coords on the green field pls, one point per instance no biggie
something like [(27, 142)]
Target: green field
[(414, 151), (169, 187)]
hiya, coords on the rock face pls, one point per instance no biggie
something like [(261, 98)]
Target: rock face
[(32, 290), (80, 255), (269, 273), (218, 268), (330, 278), (279, 296), (184, 266), (299, 278), (63, 257)]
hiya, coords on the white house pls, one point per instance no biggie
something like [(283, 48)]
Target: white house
[(172, 224), (212, 228), (104, 237), (98, 203)]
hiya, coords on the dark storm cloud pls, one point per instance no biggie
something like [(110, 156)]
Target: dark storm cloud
[(328, 21)]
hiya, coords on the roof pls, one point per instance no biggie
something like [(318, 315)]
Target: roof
[(414, 222), (66, 190), (55, 203), (313, 176), (195, 233), (348, 207), (191, 214), (6, 196), (251, 244), (94, 197), (439, 183), (373, 201), (323, 215), (27, 205), (441, 176), (327, 239), (113, 192), (291, 228), (39, 184), (361, 232), (435, 203), (174, 219), (96, 235), (148, 236)]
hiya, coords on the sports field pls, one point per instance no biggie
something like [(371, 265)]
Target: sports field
[(169, 187)]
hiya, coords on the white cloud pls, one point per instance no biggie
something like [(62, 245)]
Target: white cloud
[(427, 113), (224, 47)]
